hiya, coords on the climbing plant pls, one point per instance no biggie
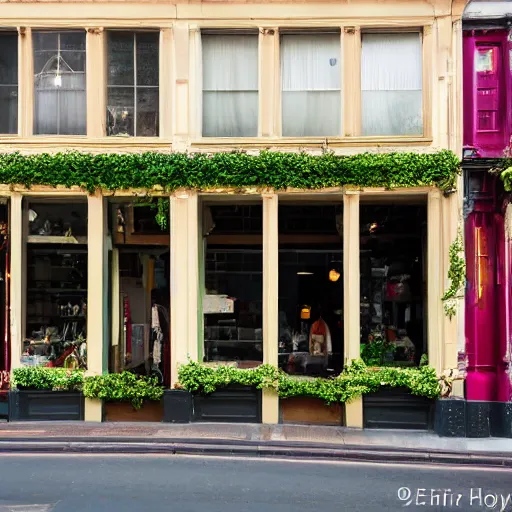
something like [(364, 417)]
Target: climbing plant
[(456, 275)]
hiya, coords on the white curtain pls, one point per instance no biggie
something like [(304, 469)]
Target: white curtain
[(391, 83), (60, 110), (230, 85), (311, 85)]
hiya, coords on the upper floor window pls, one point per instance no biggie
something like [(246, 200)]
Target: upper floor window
[(230, 85), (8, 82), (133, 78), (391, 82), (59, 83), (311, 84)]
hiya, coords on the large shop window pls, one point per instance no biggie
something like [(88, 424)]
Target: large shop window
[(8, 82), (140, 291), (311, 288), (311, 84), (133, 76), (391, 81), (232, 304), (59, 83), (230, 85), (56, 311), (393, 248)]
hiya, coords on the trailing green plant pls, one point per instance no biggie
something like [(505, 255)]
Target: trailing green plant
[(123, 387), (276, 170), (52, 379), (456, 275), (355, 380), (161, 205)]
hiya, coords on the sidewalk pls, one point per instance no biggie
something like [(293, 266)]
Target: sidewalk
[(299, 441)]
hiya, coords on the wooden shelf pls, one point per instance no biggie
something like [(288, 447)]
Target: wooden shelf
[(44, 239)]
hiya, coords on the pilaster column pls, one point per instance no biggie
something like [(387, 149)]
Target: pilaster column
[(97, 298), (25, 82), (270, 406), (434, 280), (96, 66), (165, 83), (181, 330), (351, 297), (17, 278), (269, 83)]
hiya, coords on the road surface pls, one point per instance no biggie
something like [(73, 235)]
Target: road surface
[(154, 483)]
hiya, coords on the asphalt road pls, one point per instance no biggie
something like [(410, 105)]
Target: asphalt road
[(154, 483)]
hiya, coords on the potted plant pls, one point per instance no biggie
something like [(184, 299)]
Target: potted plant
[(178, 407), (46, 394), (126, 396)]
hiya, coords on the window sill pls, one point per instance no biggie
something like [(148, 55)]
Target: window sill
[(320, 142), (84, 142)]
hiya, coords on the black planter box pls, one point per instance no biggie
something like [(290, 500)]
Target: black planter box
[(233, 404), (501, 419), (478, 419), (4, 405), (42, 405), (177, 406), (396, 408), (450, 417)]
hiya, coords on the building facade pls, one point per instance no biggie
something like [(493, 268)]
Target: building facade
[(240, 275)]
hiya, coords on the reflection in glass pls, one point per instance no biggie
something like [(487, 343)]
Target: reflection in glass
[(133, 71)]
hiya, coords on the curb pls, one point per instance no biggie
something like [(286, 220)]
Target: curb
[(256, 449)]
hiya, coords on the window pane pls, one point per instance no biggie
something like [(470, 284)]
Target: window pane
[(120, 111), (8, 82), (311, 83), (59, 83), (120, 58), (391, 81), (147, 112), (147, 58), (8, 109), (230, 85)]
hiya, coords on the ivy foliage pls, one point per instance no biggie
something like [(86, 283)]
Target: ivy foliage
[(123, 387), (51, 379), (357, 379), (237, 170), (456, 275)]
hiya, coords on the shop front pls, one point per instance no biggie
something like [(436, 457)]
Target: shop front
[(237, 303)]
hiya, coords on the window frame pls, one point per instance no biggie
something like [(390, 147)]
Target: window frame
[(133, 31), (198, 56), (12, 31), (59, 31), (278, 113), (424, 32)]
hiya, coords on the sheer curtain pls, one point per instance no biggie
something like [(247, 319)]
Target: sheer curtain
[(391, 83), (60, 110), (311, 84), (230, 85)]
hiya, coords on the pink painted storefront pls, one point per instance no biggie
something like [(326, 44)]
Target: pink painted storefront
[(487, 47)]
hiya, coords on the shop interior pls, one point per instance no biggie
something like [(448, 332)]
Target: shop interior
[(393, 245), (232, 303), (4, 285), (140, 290), (56, 280), (311, 288)]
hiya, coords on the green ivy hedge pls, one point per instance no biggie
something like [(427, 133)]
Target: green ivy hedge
[(357, 379), (238, 170)]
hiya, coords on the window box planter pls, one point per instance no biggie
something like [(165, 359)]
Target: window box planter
[(310, 411), (45, 405), (151, 411), (177, 406), (232, 404), (478, 418), (4, 404), (397, 408)]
